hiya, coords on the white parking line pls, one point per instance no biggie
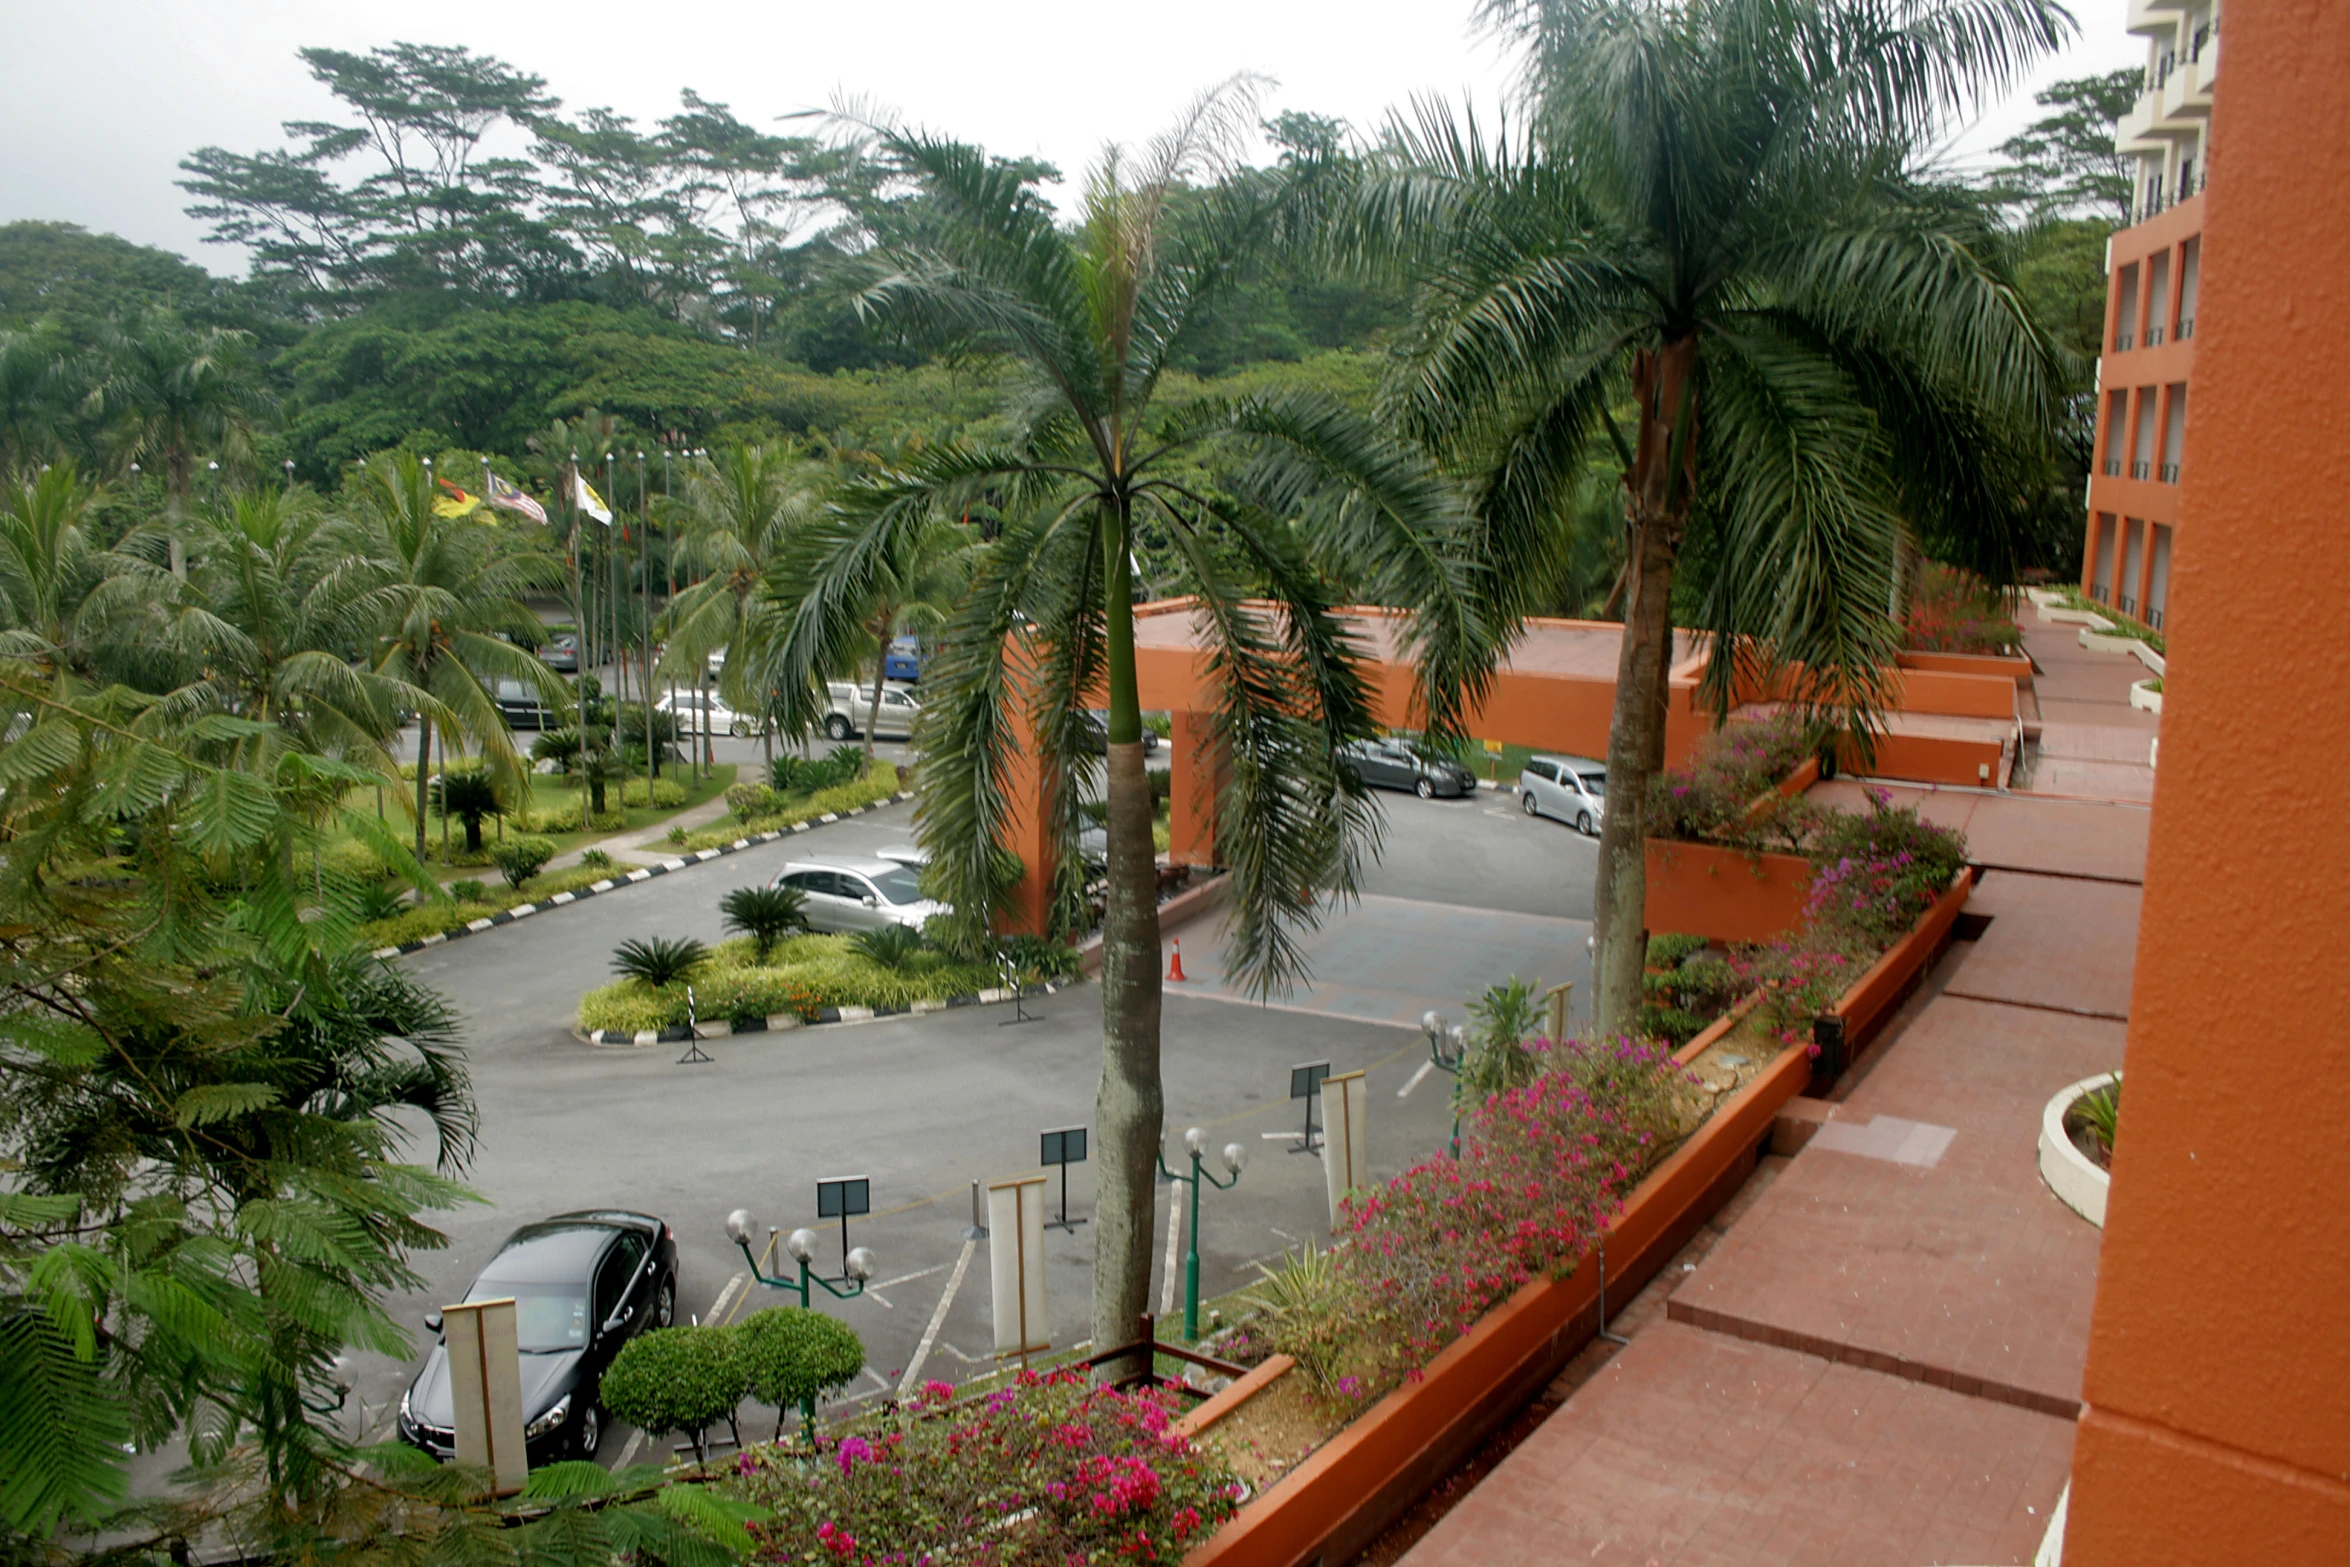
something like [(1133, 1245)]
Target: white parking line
[(907, 1278), (636, 1439), (938, 1319), (1425, 1068), (718, 1307), (1174, 1247)]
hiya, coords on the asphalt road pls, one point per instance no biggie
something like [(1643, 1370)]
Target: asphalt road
[(923, 1106)]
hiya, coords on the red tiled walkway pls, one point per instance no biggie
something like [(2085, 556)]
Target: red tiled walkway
[(2065, 945), (2019, 832), (1701, 1450)]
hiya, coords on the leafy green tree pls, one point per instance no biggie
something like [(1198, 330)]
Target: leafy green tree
[(69, 609), (468, 794), (794, 1357), (677, 1379), (1094, 314), (915, 588), (1708, 251), (441, 590), (2064, 165)]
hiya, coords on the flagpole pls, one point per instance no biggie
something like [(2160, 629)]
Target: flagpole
[(579, 613), (644, 582), (669, 571), (612, 581)]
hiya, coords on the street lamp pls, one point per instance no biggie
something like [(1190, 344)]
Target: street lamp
[(800, 1246), (1195, 1143), (1448, 1048)]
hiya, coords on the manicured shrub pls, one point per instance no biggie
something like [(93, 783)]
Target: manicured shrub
[(523, 856), (1038, 958), (468, 795), (375, 900), (1044, 1469), (749, 801), (764, 914), (1713, 798), (659, 960), (892, 946), (682, 1379), (469, 890), (665, 794), (793, 1356)]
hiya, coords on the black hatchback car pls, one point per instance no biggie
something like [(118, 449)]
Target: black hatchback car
[(583, 1285), (1396, 764)]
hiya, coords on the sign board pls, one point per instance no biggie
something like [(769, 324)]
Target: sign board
[(1066, 1146), (1305, 1079), (844, 1197), (1346, 1141), (485, 1381), (1015, 1229), (1493, 748)]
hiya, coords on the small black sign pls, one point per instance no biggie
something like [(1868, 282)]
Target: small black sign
[(844, 1198), (1066, 1146), (1305, 1081)]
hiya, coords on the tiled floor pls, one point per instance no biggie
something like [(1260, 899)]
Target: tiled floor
[(2053, 942), (2023, 832), (1700, 1450)]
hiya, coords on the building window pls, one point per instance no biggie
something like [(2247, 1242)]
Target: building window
[(2170, 473)]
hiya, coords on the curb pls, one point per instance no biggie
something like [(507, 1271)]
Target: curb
[(783, 1022), (630, 879)]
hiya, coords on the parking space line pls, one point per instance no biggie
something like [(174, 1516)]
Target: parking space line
[(1174, 1248), (938, 1319), (636, 1439), (717, 1311), (906, 1278), (1417, 1078)]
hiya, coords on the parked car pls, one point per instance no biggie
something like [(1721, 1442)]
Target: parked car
[(903, 661), (583, 1284), (852, 705), (724, 720), (858, 892), (1569, 788), (1097, 733), (912, 856), (1397, 764), (561, 654), (715, 663), (525, 708)]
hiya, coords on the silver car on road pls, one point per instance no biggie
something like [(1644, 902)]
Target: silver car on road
[(1569, 788), (855, 893)]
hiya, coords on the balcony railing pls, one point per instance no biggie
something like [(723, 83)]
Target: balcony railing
[(2139, 470), (2123, 342), (2097, 591), (2170, 473), (2186, 327), (2113, 467), (2153, 336), (2154, 618), (2127, 605)]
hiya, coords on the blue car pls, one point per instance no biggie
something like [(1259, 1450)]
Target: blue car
[(903, 661)]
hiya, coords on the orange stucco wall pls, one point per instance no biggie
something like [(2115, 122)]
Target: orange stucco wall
[(2218, 1381)]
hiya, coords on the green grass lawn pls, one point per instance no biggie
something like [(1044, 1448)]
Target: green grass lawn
[(547, 793)]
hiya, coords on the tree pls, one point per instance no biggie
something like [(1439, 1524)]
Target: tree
[(916, 587), (765, 914), (174, 393), (794, 1356), (441, 590), (2066, 165), (1710, 251), (1094, 314)]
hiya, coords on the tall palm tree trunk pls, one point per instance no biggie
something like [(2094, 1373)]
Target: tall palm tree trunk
[(1658, 486), (1129, 1107), (423, 776), (880, 674)]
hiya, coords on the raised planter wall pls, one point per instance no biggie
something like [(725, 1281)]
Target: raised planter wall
[(2070, 1173), (1703, 889), (1960, 695), (2015, 666), (1931, 759), (1364, 1477), (1868, 1004)]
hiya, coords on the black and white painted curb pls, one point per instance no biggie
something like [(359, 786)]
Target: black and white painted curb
[(676, 1033), (643, 873)]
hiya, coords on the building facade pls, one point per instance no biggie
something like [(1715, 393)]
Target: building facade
[(2153, 272)]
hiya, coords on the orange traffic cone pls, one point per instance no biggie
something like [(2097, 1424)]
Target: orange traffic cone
[(1175, 972)]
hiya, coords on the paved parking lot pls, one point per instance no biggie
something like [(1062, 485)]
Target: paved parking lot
[(925, 1105)]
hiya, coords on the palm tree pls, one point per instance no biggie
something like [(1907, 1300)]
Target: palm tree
[(441, 589), (915, 588), (739, 510), (1094, 314), (173, 392), (70, 608), (1710, 250)]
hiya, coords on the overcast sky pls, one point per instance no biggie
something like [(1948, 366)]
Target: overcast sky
[(106, 96)]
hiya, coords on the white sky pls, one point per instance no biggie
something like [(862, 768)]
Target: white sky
[(106, 96)]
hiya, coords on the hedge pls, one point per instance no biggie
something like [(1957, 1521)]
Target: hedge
[(801, 976), (433, 918), (879, 783)]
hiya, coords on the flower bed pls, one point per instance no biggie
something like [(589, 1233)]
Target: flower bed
[(802, 977), (1045, 1469), (1953, 611)]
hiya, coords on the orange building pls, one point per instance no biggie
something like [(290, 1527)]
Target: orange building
[(2153, 276)]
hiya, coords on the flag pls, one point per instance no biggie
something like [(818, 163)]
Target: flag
[(506, 497), (456, 503), (589, 501)]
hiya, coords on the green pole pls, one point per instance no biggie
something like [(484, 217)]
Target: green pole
[(1191, 1264)]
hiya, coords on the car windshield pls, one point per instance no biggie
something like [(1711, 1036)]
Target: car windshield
[(548, 1318), (1593, 783), (899, 885)]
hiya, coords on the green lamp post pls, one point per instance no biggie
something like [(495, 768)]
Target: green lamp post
[(1195, 1143), (800, 1245)]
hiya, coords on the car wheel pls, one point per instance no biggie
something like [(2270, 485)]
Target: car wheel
[(740, 729), (1526, 803), (591, 1431), (1424, 789), (1583, 823), (838, 727), (665, 1304)]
